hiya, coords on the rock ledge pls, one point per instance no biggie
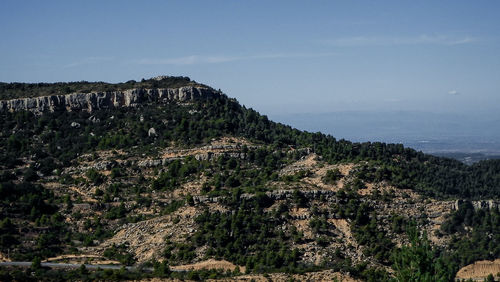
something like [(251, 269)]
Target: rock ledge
[(105, 100)]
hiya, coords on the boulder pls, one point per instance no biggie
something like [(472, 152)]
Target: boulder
[(152, 132)]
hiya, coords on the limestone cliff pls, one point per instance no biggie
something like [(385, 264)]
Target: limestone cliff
[(104, 100)]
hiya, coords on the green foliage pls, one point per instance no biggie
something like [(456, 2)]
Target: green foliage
[(247, 237), (172, 207), (117, 212), (364, 225), (34, 210), (94, 176), (190, 200), (21, 90), (221, 116), (319, 225), (176, 172), (120, 254), (30, 200), (332, 176), (36, 263), (97, 231), (398, 223), (116, 172), (30, 175), (299, 199), (420, 262), (482, 242), (161, 269), (296, 176)]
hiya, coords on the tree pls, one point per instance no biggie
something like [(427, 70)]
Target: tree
[(161, 269), (83, 270), (332, 176), (419, 261), (36, 263)]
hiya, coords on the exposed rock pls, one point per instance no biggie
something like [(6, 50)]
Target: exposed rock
[(479, 270), (478, 205), (275, 195), (105, 100), (93, 119), (75, 125), (149, 163), (211, 156), (161, 77), (151, 132), (103, 165)]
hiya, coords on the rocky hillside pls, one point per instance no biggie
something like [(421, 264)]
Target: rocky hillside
[(178, 180)]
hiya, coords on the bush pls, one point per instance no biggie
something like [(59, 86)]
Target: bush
[(332, 176), (120, 254), (95, 177)]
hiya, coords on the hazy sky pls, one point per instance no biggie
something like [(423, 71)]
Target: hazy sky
[(275, 56)]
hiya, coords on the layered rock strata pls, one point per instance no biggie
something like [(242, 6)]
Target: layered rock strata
[(105, 100)]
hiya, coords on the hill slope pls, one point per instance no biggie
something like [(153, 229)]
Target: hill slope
[(187, 180)]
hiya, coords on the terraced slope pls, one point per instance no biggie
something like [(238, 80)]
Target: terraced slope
[(186, 181)]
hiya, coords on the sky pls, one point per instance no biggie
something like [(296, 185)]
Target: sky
[(278, 57)]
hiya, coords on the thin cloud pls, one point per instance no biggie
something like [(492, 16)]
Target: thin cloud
[(394, 41), (88, 61), (453, 92), (188, 60), (393, 100), (203, 59)]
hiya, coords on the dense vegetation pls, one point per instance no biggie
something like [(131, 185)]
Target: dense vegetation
[(419, 261), (26, 202), (484, 241), (253, 232), (161, 270), (248, 237), (403, 167)]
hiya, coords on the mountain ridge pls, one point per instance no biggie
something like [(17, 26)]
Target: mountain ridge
[(101, 100), (190, 181)]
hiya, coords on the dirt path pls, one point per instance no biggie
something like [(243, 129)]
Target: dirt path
[(96, 259), (209, 264)]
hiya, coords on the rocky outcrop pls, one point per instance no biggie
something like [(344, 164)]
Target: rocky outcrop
[(478, 205), (276, 195), (105, 100), (200, 157)]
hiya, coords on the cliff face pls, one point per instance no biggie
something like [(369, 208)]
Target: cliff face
[(104, 100)]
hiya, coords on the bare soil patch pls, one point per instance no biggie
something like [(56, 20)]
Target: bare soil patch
[(209, 264), (3, 258), (84, 258), (479, 270)]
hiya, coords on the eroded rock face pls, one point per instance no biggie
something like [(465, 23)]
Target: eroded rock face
[(478, 205), (104, 100), (152, 132)]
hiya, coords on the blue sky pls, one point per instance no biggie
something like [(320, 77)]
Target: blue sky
[(279, 57)]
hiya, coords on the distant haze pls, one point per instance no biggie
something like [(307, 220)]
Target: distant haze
[(377, 65), (430, 132), (278, 57)]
